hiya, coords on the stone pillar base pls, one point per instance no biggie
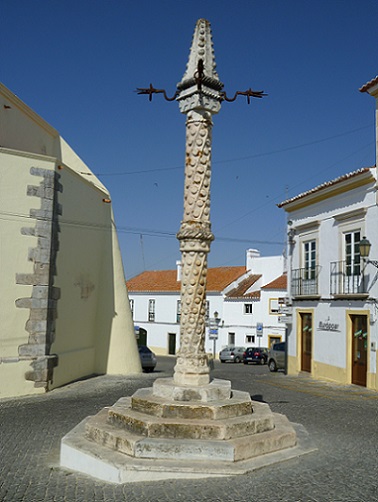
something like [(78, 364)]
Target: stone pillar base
[(168, 388)]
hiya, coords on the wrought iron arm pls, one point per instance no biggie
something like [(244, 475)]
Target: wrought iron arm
[(373, 262), (199, 78), (250, 93), (151, 90)]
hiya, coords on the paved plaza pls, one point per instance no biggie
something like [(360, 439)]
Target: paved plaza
[(342, 422)]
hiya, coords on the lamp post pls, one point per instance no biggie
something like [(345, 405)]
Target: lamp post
[(217, 321), (365, 246)]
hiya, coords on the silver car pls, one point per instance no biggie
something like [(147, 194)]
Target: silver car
[(276, 356), (231, 354)]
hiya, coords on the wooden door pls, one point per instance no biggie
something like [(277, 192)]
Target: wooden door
[(142, 337), (359, 349), (306, 334), (172, 343)]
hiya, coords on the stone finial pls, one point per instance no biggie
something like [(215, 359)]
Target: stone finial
[(200, 87)]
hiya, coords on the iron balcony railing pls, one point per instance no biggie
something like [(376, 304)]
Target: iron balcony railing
[(347, 278), (304, 281)]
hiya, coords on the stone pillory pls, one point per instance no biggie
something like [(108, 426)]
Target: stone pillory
[(199, 94), (199, 97), (163, 431)]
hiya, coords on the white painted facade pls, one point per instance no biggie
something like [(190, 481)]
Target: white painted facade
[(236, 326), (329, 283), (334, 292)]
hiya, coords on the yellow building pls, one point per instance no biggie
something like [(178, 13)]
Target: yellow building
[(64, 307)]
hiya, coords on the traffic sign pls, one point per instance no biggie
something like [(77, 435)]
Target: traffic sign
[(213, 333), (259, 329)]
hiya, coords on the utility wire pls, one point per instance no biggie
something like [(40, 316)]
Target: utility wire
[(8, 216), (236, 159), (282, 194)]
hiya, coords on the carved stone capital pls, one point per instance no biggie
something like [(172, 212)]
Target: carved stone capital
[(206, 99)]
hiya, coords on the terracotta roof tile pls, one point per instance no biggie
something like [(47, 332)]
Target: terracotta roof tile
[(166, 280), (155, 280), (369, 84), (279, 283), (240, 290)]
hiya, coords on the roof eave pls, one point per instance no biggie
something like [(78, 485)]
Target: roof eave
[(317, 194), (371, 87)]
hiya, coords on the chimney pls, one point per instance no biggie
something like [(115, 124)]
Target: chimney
[(179, 270), (251, 254)]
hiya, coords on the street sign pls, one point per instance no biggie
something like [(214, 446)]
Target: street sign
[(213, 333), (286, 319), (259, 329), (285, 310)]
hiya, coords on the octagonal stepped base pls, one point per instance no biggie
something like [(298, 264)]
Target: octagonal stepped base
[(159, 434), (269, 432), (122, 415), (236, 405)]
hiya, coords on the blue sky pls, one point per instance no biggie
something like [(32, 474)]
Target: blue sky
[(78, 62)]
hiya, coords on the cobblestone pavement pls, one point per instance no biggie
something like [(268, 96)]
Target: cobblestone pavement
[(342, 422)]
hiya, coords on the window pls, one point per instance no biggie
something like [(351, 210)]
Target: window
[(275, 305), (249, 338), (352, 253), (132, 308), (151, 310), (309, 259), (207, 313), (248, 308), (178, 311), (272, 339), (231, 339)]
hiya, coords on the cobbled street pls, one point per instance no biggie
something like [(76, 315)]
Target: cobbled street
[(342, 422)]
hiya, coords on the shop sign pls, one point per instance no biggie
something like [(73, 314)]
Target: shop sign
[(327, 325)]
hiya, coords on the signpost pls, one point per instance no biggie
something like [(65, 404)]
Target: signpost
[(259, 329), (213, 330), (286, 319)]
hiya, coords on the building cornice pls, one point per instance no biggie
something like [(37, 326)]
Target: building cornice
[(329, 189), (351, 215), (12, 98)]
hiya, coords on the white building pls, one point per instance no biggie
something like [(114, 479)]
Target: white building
[(334, 330), (64, 308), (246, 301)]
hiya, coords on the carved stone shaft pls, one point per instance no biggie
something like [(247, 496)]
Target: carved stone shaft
[(195, 237)]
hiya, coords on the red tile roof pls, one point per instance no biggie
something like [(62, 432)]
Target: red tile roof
[(240, 290), (325, 185), (166, 280), (279, 283)]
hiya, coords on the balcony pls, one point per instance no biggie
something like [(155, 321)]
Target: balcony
[(304, 282), (347, 279)]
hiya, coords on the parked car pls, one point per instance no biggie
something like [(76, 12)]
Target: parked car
[(276, 356), (255, 355), (147, 358), (231, 354)]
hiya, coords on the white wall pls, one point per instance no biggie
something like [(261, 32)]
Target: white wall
[(326, 221)]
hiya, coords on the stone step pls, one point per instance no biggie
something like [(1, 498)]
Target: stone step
[(145, 401), (123, 416), (99, 430), (91, 458)]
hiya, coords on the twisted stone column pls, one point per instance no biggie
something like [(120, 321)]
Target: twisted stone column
[(195, 237)]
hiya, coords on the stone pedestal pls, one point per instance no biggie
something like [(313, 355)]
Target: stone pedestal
[(170, 431)]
